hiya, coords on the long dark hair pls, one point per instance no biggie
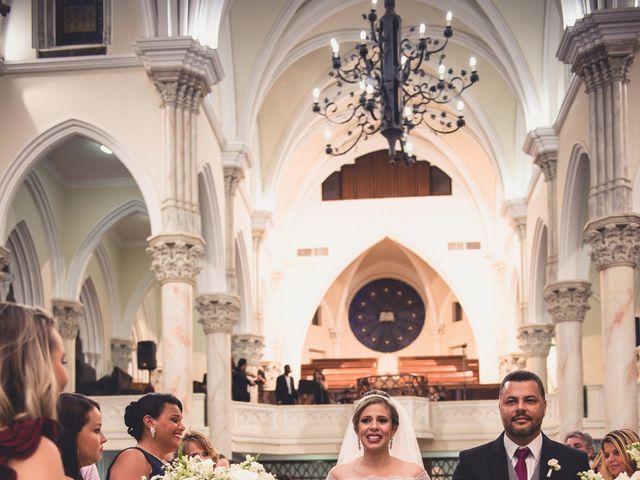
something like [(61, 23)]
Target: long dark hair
[(73, 414)]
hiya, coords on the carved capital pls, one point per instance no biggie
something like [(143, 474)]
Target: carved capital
[(67, 313), (121, 351), (535, 339), (5, 275), (175, 258), (219, 312), (247, 346), (512, 362), (600, 46), (567, 301), (181, 68), (516, 211), (233, 175), (542, 145), (614, 240)]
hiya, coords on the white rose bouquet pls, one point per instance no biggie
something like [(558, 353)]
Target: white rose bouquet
[(194, 468)]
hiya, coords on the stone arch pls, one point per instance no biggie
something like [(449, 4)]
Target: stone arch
[(94, 237), (243, 273), (212, 276), (90, 327), (124, 328), (18, 169), (25, 267), (573, 258), (538, 274)]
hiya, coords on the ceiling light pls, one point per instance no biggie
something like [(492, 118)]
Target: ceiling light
[(106, 150)]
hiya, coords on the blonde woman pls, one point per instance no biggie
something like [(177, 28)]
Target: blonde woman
[(32, 375), (613, 458), (197, 444)]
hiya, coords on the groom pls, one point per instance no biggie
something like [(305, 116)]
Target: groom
[(522, 452)]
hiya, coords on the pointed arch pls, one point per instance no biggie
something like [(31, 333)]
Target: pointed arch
[(247, 323), (18, 169), (90, 327), (94, 237), (123, 329), (538, 274), (110, 278), (25, 267), (212, 276)]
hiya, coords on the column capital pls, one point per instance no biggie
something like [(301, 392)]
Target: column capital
[(614, 240), (600, 46), (182, 69), (511, 362), (121, 351), (567, 301), (67, 313), (233, 175), (5, 274), (175, 257), (219, 312), (260, 221), (249, 346), (542, 145), (516, 210), (535, 339)]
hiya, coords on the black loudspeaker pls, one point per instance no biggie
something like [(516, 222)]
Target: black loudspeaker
[(147, 355)]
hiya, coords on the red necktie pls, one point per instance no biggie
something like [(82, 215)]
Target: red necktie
[(521, 466)]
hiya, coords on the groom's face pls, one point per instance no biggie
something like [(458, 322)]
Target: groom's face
[(522, 409)]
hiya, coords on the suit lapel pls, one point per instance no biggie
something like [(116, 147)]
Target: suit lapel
[(498, 460), (546, 454)]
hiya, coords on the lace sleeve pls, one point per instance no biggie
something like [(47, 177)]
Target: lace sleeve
[(423, 476)]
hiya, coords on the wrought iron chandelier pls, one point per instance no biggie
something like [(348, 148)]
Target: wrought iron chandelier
[(393, 94)]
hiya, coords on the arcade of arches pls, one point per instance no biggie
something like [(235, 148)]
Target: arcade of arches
[(165, 183)]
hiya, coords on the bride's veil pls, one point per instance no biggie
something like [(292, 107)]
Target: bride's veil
[(405, 443)]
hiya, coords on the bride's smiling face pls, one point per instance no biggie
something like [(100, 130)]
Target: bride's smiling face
[(375, 428)]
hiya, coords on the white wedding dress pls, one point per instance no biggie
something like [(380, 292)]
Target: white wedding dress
[(421, 476)]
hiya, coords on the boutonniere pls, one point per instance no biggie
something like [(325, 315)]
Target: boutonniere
[(554, 466)]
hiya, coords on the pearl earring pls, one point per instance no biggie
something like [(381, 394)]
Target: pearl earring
[(152, 430)]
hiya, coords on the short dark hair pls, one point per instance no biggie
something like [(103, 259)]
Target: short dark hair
[(73, 415), (523, 376), (584, 436), (150, 404)]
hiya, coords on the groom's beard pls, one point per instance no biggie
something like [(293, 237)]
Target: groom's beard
[(534, 425)]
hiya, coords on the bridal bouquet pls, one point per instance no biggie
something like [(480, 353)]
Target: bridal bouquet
[(194, 468)]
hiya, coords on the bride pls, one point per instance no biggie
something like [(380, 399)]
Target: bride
[(381, 444)]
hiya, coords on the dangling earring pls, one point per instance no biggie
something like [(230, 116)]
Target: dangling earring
[(390, 443), (152, 430), (359, 445)]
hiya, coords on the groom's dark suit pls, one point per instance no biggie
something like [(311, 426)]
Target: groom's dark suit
[(489, 461)]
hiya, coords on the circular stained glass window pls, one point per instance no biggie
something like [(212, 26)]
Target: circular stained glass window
[(386, 315)]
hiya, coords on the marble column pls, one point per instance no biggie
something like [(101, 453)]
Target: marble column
[(67, 314), (535, 342), (511, 362), (5, 274), (542, 145), (219, 312), (176, 261), (233, 174), (615, 250), (567, 303), (121, 351)]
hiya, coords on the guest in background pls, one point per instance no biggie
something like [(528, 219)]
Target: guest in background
[(155, 421), (81, 437), (32, 375), (260, 381), (581, 441), (240, 382), (285, 390), (321, 394), (197, 444), (613, 458), (223, 461)]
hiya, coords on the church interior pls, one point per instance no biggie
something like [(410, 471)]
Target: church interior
[(173, 191)]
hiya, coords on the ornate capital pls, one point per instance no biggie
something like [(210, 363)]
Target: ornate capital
[(535, 339), (175, 258), (567, 301), (247, 346), (614, 240), (219, 312), (67, 313), (233, 175), (121, 351), (181, 68), (542, 145), (512, 362), (5, 274), (600, 46), (516, 211)]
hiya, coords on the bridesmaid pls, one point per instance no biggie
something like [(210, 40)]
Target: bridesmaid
[(155, 421)]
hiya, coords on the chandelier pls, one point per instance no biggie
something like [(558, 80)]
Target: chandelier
[(393, 94)]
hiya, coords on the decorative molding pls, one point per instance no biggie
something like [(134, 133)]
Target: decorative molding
[(219, 312), (67, 313), (542, 145), (511, 362), (5, 274), (614, 240), (567, 301), (535, 339), (248, 346), (516, 210), (233, 175), (176, 257), (261, 220), (121, 351), (70, 64)]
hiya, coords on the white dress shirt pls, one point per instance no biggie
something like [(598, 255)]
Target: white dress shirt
[(535, 447)]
